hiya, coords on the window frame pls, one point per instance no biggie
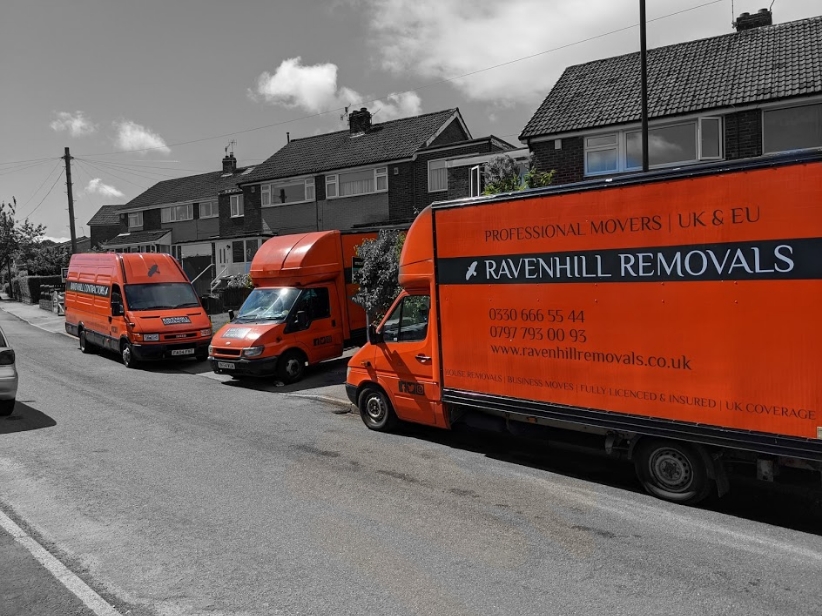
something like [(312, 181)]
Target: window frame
[(171, 213), (401, 307), (214, 209), (777, 107), (441, 164), (268, 190), (238, 210), (137, 215), (333, 179)]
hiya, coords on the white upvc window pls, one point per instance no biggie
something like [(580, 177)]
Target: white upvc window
[(208, 209), (674, 144), (791, 128), (352, 183), (437, 176), (236, 206), (476, 181), (177, 213), (135, 220), (286, 193)]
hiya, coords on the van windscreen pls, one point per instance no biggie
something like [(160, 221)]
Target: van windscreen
[(272, 304), (161, 296)]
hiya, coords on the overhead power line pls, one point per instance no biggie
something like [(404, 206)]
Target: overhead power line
[(47, 194), (46, 179)]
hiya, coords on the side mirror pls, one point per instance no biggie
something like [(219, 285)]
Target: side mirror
[(374, 337), (302, 320), (230, 315)]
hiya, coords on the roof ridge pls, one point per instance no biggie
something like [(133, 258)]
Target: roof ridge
[(345, 130)]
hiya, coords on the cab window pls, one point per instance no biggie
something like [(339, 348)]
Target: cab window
[(409, 320), (314, 302)]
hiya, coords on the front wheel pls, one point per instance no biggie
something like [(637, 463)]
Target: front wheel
[(376, 410), (291, 366), (673, 471), (127, 354)]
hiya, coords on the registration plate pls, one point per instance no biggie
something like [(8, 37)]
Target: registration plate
[(225, 365), (182, 351)]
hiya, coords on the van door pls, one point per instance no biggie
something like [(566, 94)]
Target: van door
[(319, 308), (404, 362)]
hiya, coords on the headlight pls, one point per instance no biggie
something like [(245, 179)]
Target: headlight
[(253, 351), (210, 349), (151, 337), (205, 332)]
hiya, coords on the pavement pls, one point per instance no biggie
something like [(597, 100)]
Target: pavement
[(324, 382)]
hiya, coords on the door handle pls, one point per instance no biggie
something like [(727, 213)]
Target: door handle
[(423, 358)]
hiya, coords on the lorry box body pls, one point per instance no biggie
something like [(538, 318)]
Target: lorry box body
[(141, 305), (675, 313), (300, 310)]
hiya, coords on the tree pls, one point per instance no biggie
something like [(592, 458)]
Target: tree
[(16, 238), (48, 260), (502, 174), (378, 276)]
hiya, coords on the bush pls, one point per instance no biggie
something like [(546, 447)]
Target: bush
[(27, 288)]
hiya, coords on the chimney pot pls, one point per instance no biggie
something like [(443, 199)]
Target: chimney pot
[(359, 121), (229, 163), (746, 21)]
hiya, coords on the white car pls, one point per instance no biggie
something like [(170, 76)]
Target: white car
[(8, 376)]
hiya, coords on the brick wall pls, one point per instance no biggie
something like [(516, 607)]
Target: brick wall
[(459, 185), (743, 134), (401, 192), (151, 219), (103, 233), (568, 162)]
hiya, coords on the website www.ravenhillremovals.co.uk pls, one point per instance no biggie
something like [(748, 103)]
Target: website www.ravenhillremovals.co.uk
[(572, 353)]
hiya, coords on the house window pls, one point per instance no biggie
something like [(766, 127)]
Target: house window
[(674, 144), (237, 252), (208, 209), (357, 183), (437, 176), (476, 181), (135, 220), (251, 247), (177, 213), (792, 128), (236, 207), (287, 192)]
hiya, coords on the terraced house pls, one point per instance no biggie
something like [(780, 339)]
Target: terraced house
[(754, 92)]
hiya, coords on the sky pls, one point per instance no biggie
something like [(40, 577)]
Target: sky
[(141, 92)]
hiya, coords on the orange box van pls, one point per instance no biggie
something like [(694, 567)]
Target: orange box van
[(675, 314), (140, 305), (300, 311)]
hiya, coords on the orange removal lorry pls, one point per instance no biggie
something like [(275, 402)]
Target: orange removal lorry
[(300, 311), (140, 305), (673, 316)]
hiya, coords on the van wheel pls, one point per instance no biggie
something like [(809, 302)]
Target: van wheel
[(291, 366), (673, 471), (85, 345), (376, 410), (127, 355), (6, 407)]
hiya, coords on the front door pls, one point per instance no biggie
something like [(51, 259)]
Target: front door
[(405, 363)]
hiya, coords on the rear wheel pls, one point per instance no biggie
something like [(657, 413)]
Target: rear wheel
[(127, 355), (673, 471), (291, 366), (6, 407), (376, 410), (85, 346)]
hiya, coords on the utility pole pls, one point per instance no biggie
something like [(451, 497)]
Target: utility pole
[(67, 158), (644, 69)]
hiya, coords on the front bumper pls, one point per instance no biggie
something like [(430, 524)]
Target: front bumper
[(351, 392), (8, 387), (149, 352), (266, 366)]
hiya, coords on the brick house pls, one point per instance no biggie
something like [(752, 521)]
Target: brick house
[(105, 224), (369, 174), (754, 92)]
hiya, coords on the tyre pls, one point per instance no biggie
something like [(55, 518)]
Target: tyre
[(127, 355), (6, 407), (291, 366), (85, 346), (201, 356), (673, 471), (376, 410)]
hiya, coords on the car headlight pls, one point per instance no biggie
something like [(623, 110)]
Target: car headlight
[(253, 351), (205, 332), (210, 349), (151, 337)]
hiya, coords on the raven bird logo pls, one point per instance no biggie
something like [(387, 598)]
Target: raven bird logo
[(153, 270), (472, 271)]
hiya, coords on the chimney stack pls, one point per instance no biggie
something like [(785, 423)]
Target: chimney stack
[(359, 122), (229, 163), (746, 21)]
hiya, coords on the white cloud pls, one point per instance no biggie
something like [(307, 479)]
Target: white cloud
[(97, 187), (314, 89), (77, 124), (132, 137)]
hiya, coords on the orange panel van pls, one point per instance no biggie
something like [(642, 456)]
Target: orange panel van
[(673, 315), (140, 305), (300, 311)]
